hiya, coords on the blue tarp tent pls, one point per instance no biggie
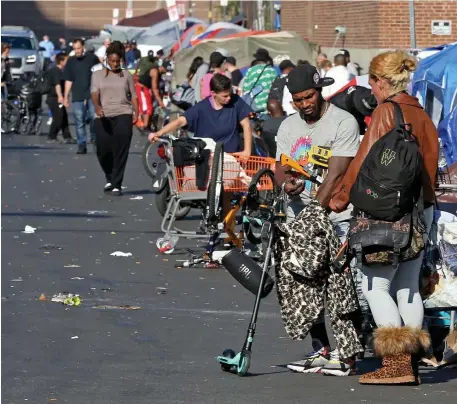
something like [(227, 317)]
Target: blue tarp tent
[(435, 84)]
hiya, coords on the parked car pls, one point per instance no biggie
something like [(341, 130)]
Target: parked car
[(25, 55)]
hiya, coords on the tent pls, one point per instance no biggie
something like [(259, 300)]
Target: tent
[(227, 34), (163, 34), (145, 20), (218, 30), (435, 85), (280, 45), (189, 34)]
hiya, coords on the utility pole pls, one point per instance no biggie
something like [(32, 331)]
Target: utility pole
[(412, 25), (210, 12)]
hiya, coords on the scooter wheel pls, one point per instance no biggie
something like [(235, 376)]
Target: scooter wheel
[(245, 363), (229, 353), (226, 368)]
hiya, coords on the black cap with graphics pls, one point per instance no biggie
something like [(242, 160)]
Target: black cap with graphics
[(305, 77)]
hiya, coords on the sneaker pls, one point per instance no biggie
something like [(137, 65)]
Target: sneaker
[(108, 187), (337, 367), (50, 141), (116, 192), (81, 150), (49, 121), (69, 140), (312, 363)]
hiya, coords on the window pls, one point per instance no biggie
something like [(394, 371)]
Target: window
[(19, 42)]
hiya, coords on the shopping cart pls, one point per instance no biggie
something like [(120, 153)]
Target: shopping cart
[(228, 174)]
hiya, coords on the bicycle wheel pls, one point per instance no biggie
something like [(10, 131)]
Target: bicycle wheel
[(262, 189), (150, 159), (10, 117), (215, 188)]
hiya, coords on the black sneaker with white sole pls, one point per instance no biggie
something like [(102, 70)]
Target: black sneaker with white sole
[(108, 187), (116, 192)]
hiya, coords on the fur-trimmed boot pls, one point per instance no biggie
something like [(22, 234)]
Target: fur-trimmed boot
[(395, 346), (423, 342)]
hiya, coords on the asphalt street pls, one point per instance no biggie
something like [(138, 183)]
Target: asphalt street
[(163, 352)]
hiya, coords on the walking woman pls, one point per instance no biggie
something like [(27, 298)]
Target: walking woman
[(399, 337), (114, 98)]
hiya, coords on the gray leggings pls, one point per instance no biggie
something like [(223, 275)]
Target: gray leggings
[(381, 285)]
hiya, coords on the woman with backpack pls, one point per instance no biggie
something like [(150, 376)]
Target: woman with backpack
[(399, 338)]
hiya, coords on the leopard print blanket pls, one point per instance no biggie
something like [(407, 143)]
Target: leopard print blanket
[(305, 280)]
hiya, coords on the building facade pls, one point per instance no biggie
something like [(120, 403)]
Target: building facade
[(70, 18), (372, 24)]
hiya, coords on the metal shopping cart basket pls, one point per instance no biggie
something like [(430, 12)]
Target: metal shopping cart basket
[(236, 177)]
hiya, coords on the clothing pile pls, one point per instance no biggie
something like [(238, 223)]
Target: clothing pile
[(305, 279)]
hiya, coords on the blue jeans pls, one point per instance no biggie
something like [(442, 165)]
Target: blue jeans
[(83, 111)]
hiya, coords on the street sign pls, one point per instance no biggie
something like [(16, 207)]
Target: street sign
[(115, 12), (224, 3), (173, 14), (128, 13), (441, 27)]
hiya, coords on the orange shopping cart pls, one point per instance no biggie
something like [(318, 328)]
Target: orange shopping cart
[(227, 174)]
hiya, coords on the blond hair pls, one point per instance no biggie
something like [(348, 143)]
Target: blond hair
[(393, 66)]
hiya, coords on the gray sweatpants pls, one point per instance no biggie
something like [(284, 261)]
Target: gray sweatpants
[(393, 295)]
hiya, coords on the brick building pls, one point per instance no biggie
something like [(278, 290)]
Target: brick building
[(72, 18), (371, 23)]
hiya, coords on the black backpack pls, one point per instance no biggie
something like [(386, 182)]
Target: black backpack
[(277, 89), (389, 182)]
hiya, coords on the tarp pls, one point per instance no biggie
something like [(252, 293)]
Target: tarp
[(280, 45), (189, 34), (225, 27), (227, 34), (163, 34), (435, 85), (145, 20)]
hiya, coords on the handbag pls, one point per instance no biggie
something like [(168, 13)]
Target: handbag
[(379, 242)]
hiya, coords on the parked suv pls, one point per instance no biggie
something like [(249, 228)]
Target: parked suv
[(25, 55)]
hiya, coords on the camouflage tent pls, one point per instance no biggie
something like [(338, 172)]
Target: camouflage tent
[(281, 45)]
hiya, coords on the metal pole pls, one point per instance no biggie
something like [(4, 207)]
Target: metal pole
[(225, 12), (412, 25), (210, 12)]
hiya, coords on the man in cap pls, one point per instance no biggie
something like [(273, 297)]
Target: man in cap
[(353, 68), (317, 123), (261, 73)]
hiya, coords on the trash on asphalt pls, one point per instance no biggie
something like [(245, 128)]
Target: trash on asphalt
[(106, 290), (69, 299), (97, 212), (121, 254), (76, 278), (136, 198), (42, 298), (75, 337), (17, 279), (161, 291), (122, 307), (72, 266), (29, 230), (113, 233), (50, 247)]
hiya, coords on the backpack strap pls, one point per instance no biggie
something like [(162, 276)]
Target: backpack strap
[(398, 114)]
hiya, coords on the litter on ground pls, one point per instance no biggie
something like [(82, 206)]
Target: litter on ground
[(69, 299), (29, 230), (121, 254)]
